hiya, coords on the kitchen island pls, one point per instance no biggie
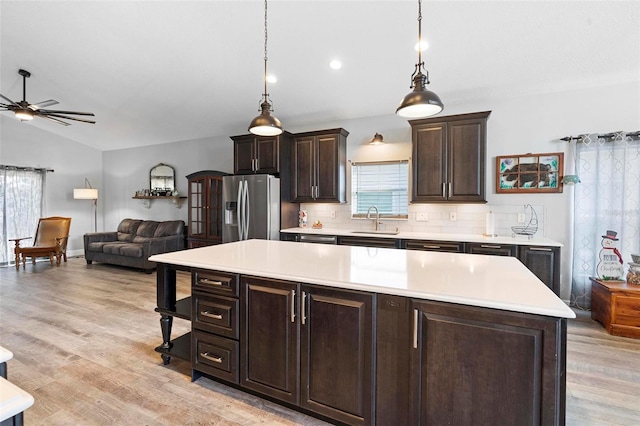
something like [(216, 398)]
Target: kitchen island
[(364, 335)]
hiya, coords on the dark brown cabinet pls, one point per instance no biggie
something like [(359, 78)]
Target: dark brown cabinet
[(259, 154), (448, 161), (205, 208), (309, 346), (493, 249), (428, 245), (453, 345), (544, 262), (318, 166), (368, 242)]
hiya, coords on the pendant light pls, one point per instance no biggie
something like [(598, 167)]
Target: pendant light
[(265, 124), (420, 102)]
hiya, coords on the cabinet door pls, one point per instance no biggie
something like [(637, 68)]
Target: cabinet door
[(327, 168), (269, 362), (214, 208), (267, 155), (544, 262), (429, 163), (303, 169), (492, 249), (197, 201), (466, 160), (476, 366), (244, 155), (336, 354)]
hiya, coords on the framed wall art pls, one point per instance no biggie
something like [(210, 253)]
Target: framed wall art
[(529, 173)]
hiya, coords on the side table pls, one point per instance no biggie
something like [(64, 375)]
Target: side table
[(616, 305)]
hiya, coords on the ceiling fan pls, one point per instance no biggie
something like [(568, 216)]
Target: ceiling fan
[(26, 111)]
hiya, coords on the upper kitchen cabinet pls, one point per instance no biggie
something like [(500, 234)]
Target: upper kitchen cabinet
[(448, 158), (260, 154), (318, 166)]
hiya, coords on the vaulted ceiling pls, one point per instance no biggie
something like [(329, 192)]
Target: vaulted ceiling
[(156, 72)]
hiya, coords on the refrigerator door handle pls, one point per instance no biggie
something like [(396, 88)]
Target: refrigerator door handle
[(239, 210), (246, 211)]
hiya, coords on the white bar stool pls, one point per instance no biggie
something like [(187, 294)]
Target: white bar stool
[(13, 402)]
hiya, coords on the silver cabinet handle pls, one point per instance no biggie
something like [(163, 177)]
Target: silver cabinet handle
[(257, 164), (303, 310), (491, 247), (206, 355), (293, 306), (450, 189), (539, 249), (430, 247), (444, 190), (211, 315), (208, 281), (415, 329)]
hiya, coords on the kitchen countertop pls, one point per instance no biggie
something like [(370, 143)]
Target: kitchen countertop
[(469, 279), (409, 235)]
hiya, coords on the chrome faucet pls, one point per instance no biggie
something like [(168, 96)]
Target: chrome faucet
[(377, 219)]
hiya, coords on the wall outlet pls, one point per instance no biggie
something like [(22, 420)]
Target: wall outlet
[(422, 217), (520, 217), (453, 216), (333, 214)]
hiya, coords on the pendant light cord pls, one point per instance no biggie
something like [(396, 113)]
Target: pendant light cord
[(266, 95), (420, 33)]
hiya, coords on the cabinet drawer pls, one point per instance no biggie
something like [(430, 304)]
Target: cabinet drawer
[(368, 242), (444, 246), (216, 314), (492, 249), (215, 282), (217, 356)]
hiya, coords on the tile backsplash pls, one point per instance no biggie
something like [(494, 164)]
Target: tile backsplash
[(470, 218)]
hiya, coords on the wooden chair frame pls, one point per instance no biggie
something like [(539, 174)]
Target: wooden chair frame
[(50, 241)]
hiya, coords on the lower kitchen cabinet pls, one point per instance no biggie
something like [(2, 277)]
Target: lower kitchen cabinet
[(369, 242), (486, 367), (336, 345), (492, 249), (309, 346), (443, 246), (544, 262)]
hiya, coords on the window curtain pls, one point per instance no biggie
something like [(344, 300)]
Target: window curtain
[(607, 199), (22, 204)]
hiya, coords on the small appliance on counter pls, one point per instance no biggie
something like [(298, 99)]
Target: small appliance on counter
[(251, 207)]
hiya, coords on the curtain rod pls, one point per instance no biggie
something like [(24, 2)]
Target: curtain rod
[(42, 169), (610, 135)]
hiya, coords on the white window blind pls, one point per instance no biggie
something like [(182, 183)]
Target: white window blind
[(381, 184)]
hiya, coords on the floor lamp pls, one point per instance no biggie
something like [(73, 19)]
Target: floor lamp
[(89, 193)]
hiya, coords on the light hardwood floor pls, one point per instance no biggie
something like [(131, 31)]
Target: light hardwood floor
[(83, 339)]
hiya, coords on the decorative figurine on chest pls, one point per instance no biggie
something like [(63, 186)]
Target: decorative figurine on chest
[(610, 265)]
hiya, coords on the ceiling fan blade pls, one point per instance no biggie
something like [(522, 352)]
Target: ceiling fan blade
[(55, 111), (55, 120), (10, 101), (67, 118), (43, 104)]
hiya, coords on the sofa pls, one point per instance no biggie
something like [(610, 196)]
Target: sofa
[(133, 242)]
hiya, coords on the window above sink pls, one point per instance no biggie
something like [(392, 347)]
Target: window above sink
[(383, 184)]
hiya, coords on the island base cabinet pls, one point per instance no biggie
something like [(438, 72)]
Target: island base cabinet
[(336, 354), (481, 366)]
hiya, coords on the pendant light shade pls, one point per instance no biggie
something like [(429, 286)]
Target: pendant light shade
[(420, 102), (265, 124)]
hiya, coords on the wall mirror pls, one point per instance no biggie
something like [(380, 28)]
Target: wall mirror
[(162, 179)]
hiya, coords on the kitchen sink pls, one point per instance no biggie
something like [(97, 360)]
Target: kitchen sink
[(376, 232)]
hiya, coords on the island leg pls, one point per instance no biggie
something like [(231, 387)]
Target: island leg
[(166, 322), (166, 300)]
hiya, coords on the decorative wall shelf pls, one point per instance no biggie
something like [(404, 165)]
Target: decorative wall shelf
[(146, 199)]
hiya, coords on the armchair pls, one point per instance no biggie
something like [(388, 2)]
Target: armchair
[(50, 240)]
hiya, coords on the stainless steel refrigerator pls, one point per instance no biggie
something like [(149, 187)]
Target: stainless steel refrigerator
[(251, 207)]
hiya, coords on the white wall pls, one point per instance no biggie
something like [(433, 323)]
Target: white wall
[(516, 126), (22, 144)]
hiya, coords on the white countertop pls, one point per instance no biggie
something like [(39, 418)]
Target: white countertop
[(409, 235), (13, 400), (469, 279)]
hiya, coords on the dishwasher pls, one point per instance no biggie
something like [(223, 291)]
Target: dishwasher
[(318, 239)]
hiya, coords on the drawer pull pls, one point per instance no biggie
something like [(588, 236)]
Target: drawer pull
[(539, 249), (212, 282), (303, 314), (293, 306), (213, 358), (211, 315), (491, 247), (415, 329), (431, 247)]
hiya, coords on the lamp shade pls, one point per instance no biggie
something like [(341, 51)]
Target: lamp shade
[(85, 194), (265, 124), (420, 102)]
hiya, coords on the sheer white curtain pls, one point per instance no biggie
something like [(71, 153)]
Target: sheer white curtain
[(22, 204), (607, 199)]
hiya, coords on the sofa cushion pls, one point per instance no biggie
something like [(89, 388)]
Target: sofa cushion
[(146, 229), (131, 250), (112, 248), (127, 229), (169, 228)]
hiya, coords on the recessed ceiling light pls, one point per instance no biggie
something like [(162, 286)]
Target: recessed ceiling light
[(335, 64), (421, 46), (271, 78)]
